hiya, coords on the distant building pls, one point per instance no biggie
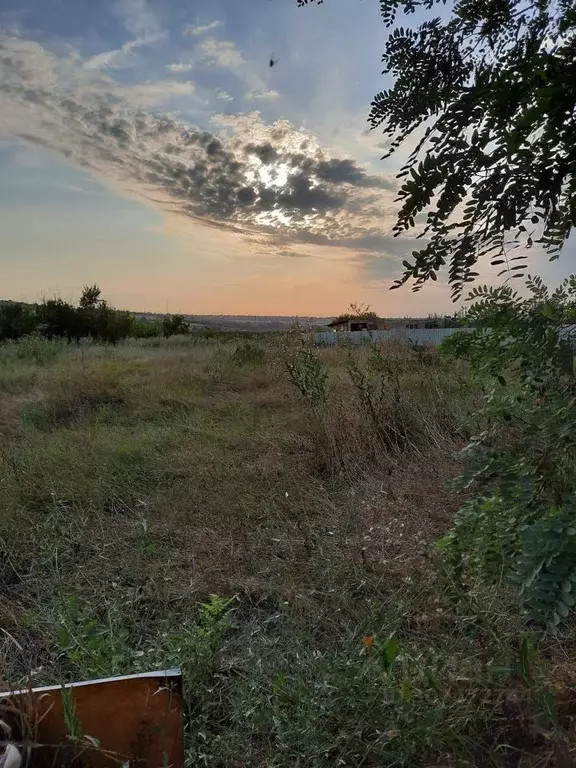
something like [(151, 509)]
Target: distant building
[(371, 322), (346, 323)]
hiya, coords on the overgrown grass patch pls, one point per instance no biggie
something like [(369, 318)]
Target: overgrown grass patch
[(136, 481)]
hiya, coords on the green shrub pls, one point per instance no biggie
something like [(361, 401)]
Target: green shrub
[(34, 349), (16, 320), (94, 641), (522, 466), (175, 325), (304, 367), (249, 353)]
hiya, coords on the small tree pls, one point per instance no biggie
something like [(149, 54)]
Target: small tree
[(175, 325), (59, 319), (90, 298), (99, 321), (357, 312), (111, 325), (145, 329)]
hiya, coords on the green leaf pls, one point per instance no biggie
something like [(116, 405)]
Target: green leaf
[(279, 683), (390, 651), (524, 661), (546, 703), (406, 691), (444, 541)]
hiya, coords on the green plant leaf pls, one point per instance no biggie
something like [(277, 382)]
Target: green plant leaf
[(390, 650)]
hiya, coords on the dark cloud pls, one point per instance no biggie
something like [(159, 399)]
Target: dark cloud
[(301, 194), (348, 172), (246, 195), (264, 152), (335, 171), (382, 243), (227, 182), (287, 253)]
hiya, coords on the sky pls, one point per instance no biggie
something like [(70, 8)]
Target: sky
[(149, 147)]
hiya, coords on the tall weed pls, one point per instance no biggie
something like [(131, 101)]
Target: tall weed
[(394, 400)]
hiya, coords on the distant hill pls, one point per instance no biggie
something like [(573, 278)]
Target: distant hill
[(229, 322), (271, 322), (244, 322)]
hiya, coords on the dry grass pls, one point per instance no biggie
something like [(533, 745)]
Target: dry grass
[(136, 481)]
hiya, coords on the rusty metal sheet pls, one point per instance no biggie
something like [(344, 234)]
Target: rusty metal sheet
[(135, 720)]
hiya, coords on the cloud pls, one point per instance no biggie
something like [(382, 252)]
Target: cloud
[(124, 56), (222, 53), (272, 183), (137, 17), (211, 51), (154, 93), (195, 30), (223, 95), (179, 67), (263, 95)]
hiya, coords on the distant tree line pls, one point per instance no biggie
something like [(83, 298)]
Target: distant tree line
[(92, 318)]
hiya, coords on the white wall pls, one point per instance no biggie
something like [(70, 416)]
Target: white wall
[(416, 335), (433, 336)]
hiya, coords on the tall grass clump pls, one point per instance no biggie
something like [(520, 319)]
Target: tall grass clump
[(389, 400), (33, 349)]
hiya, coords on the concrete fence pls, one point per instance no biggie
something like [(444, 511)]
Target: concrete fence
[(430, 336)]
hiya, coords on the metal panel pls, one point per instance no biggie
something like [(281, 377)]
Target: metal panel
[(136, 719)]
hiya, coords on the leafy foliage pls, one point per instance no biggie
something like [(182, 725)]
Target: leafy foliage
[(175, 325), (16, 320), (90, 298), (489, 95), (58, 319), (304, 367), (358, 312), (363, 316), (522, 463)]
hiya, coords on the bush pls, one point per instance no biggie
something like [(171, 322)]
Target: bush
[(522, 465), (248, 353), (394, 400), (33, 348), (93, 318), (175, 325), (145, 329), (57, 318), (304, 368), (16, 320)]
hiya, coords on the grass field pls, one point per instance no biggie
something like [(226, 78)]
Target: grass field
[(264, 516)]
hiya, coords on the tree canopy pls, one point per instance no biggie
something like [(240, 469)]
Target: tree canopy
[(59, 319), (490, 97), (175, 325)]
